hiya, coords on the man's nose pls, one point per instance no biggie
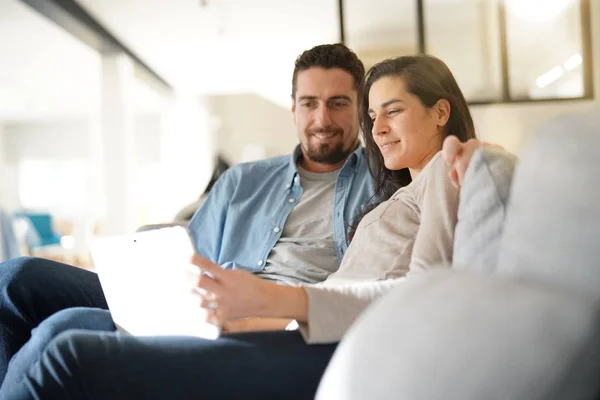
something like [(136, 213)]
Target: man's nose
[(323, 117)]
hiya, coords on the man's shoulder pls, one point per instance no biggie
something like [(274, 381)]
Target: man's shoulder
[(260, 167)]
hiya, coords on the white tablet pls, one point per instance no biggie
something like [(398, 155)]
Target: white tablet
[(145, 279)]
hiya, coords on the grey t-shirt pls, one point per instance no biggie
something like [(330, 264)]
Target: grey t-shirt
[(305, 252)]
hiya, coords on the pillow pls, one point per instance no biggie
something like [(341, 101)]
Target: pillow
[(482, 209), (553, 216), (451, 334)]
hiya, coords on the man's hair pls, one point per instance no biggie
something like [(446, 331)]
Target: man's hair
[(329, 56)]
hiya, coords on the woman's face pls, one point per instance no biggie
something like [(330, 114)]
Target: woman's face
[(407, 133)]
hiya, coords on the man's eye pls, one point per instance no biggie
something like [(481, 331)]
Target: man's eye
[(308, 104), (393, 112), (340, 104)]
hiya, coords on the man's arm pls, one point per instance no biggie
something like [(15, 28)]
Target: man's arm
[(208, 222)]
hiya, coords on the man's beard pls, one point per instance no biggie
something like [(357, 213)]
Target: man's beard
[(327, 153)]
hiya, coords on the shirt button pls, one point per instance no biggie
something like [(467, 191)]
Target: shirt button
[(291, 200), (260, 262), (276, 229)]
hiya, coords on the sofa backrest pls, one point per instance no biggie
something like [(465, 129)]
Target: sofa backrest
[(552, 228)]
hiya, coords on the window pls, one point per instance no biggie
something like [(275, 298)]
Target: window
[(465, 35), (380, 29), (498, 50), (544, 49), (57, 185)]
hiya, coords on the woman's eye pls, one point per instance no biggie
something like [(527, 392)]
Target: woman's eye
[(393, 112)]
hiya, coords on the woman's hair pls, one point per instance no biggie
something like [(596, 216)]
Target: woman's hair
[(429, 79)]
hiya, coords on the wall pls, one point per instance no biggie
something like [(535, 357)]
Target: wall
[(8, 198), (49, 140), (3, 172), (511, 125), (250, 120), (66, 140)]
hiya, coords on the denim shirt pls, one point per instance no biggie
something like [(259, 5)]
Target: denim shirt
[(243, 216)]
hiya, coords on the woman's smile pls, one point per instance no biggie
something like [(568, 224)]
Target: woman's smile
[(389, 145)]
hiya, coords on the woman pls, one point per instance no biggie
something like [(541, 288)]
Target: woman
[(409, 105)]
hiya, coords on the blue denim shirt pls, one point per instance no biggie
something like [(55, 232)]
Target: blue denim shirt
[(244, 213)]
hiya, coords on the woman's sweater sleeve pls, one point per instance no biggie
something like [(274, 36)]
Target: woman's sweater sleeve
[(332, 308)]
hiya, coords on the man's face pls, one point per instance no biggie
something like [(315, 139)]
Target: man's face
[(326, 115)]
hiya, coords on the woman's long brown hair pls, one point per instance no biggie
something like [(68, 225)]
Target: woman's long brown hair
[(428, 78)]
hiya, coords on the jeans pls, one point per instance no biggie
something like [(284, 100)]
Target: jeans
[(93, 365), (31, 290), (71, 318)]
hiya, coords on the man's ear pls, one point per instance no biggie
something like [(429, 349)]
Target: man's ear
[(442, 111)]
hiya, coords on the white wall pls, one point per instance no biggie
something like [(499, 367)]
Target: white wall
[(8, 198), (2, 168), (187, 149), (251, 120), (147, 139), (511, 125), (65, 140), (62, 139)]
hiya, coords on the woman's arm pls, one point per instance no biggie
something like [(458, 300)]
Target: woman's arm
[(438, 204), (253, 324), (329, 308), (332, 309), (325, 311)]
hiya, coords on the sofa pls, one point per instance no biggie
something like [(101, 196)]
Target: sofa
[(517, 314)]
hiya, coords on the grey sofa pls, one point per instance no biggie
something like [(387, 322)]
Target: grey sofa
[(517, 315)]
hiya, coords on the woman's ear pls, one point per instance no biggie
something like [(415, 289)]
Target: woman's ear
[(442, 111)]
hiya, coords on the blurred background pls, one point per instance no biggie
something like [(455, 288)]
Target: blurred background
[(116, 114)]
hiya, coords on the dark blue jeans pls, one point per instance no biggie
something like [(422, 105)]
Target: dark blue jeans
[(79, 318), (31, 290), (95, 365)]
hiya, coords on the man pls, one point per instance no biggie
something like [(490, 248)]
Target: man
[(284, 219)]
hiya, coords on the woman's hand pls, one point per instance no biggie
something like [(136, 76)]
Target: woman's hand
[(458, 156), (233, 295), (255, 325)]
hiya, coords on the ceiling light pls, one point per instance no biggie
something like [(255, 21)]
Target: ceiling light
[(548, 77), (573, 62)]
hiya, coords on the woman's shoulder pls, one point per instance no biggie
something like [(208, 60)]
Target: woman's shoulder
[(434, 180), (435, 168)]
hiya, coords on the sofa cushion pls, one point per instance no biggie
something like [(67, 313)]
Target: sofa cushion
[(482, 209), (553, 218), (462, 335)]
